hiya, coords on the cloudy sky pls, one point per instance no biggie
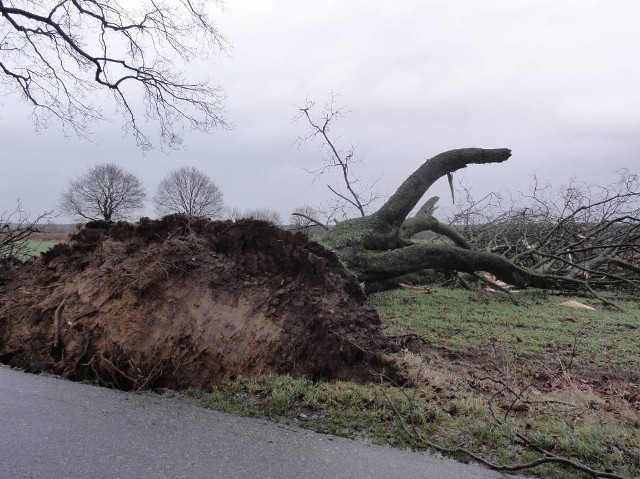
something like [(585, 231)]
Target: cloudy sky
[(555, 81)]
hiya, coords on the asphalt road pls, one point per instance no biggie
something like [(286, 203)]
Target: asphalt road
[(54, 429)]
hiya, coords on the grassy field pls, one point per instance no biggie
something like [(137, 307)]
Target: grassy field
[(35, 248), (29, 249), (506, 382), (537, 328)]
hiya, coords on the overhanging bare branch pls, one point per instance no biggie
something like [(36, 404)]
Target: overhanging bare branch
[(58, 54)]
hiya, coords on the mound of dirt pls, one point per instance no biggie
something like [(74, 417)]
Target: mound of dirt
[(182, 302)]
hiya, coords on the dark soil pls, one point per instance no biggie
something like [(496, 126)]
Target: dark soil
[(182, 302)]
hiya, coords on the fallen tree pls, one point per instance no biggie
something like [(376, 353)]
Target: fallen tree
[(378, 247)]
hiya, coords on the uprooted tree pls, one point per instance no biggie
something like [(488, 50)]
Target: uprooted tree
[(378, 247), (582, 238)]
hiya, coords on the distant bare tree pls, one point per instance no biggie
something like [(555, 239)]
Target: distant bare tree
[(232, 213), (106, 192), (264, 214), (189, 191), (59, 53)]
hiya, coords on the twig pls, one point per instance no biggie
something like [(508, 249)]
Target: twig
[(603, 299), (309, 218)]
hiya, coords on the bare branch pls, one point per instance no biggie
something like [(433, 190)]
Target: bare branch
[(354, 198), (59, 53), (16, 229)]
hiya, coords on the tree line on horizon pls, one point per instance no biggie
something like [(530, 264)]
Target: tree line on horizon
[(107, 192)]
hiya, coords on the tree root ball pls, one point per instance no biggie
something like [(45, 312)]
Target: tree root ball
[(183, 302)]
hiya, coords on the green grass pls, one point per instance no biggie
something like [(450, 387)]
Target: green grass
[(29, 249), (342, 408), (365, 412), (35, 248), (538, 327), (470, 335)]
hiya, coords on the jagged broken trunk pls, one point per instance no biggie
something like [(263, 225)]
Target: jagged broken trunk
[(378, 247)]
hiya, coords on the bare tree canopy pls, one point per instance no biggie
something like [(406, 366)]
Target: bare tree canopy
[(106, 192), (189, 191), (581, 231), (264, 214), (353, 197), (57, 53)]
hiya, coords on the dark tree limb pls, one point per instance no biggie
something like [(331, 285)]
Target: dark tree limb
[(379, 237), (396, 209), (425, 221), (380, 265)]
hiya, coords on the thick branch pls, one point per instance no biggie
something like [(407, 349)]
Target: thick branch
[(396, 209), (379, 265), (425, 221)]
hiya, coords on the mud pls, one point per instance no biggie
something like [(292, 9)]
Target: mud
[(181, 302)]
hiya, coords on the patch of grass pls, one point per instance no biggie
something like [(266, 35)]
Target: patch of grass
[(491, 370), (364, 411), (538, 327), (32, 248), (35, 248), (342, 408)]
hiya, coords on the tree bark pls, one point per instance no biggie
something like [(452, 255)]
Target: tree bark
[(425, 221), (381, 265)]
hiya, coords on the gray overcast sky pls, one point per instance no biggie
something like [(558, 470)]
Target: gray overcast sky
[(555, 81)]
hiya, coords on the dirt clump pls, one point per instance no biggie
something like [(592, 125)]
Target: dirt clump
[(182, 302)]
